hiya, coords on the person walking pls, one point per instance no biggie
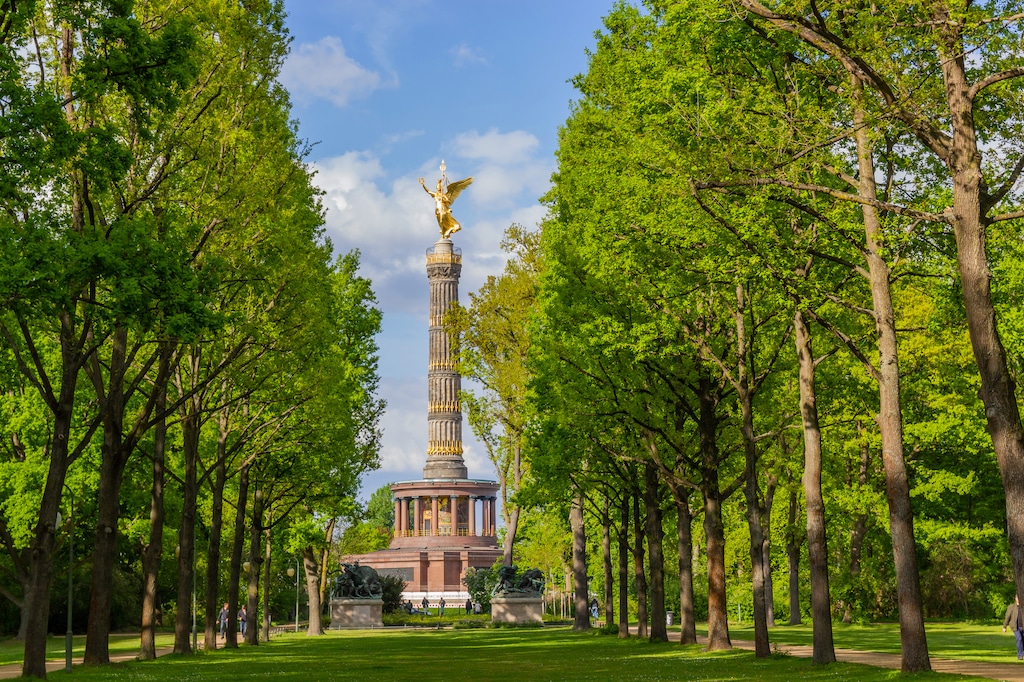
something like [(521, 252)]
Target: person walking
[(469, 606), (441, 606), (242, 619), (222, 620), (1013, 618), (425, 605)]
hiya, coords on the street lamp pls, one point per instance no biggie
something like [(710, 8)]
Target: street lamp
[(295, 572)]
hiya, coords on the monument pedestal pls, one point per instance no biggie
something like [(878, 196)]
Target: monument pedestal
[(356, 614), (511, 608)]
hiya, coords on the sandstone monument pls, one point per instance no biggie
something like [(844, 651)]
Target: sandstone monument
[(445, 522)]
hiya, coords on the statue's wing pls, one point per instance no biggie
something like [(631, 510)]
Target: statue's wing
[(455, 188)]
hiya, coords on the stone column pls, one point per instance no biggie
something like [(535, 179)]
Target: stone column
[(434, 530), (493, 502), (444, 412), (455, 514), (398, 518), (403, 512), (486, 509), (472, 515), (417, 510)]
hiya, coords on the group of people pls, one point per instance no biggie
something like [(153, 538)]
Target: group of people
[(471, 606), (222, 620)]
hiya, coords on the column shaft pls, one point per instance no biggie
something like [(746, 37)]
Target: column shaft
[(434, 530), (455, 514), (472, 516)]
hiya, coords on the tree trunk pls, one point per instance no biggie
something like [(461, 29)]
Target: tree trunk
[(714, 532), (745, 395), (325, 555), (237, 547), (817, 547), (793, 556), (211, 629), (252, 632), (687, 621), (112, 462), (624, 567), (187, 535), (655, 536), (153, 552), (267, 564), (766, 552), (998, 390), (639, 570), (579, 565), (510, 509), (914, 644), (312, 571), (606, 555), (37, 596)]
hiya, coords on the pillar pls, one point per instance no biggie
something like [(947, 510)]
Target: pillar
[(486, 509), (455, 514), (493, 502), (472, 516), (398, 518), (433, 515), (417, 510), (403, 512)]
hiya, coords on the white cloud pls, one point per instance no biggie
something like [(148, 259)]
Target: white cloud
[(464, 55), (322, 70), (391, 221), (502, 148)]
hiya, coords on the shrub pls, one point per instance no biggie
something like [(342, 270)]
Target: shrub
[(392, 586)]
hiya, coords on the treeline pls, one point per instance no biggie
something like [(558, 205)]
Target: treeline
[(187, 374), (776, 305)]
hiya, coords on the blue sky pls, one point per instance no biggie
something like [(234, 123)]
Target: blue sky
[(387, 89)]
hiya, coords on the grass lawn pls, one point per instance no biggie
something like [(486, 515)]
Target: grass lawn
[(13, 651), (965, 641), (524, 654)]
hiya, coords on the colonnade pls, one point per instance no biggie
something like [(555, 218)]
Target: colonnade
[(424, 511)]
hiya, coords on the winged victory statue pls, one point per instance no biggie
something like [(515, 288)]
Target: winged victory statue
[(444, 196)]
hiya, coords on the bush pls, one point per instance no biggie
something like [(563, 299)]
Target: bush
[(469, 624), (610, 629), (531, 624), (392, 586)]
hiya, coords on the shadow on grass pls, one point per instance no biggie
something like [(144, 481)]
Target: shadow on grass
[(548, 654)]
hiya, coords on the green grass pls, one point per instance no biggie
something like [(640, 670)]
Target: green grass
[(428, 655), (965, 641), (13, 651)]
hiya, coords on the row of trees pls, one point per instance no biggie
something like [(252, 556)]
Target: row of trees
[(179, 351), (781, 262)]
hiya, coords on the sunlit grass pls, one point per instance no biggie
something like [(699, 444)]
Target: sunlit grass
[(535, 654), (965, 641), (12, 651)]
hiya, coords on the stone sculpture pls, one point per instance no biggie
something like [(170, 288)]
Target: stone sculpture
[(531, 582), (357, 582)]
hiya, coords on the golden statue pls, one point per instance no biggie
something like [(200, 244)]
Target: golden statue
[(445, 195)]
